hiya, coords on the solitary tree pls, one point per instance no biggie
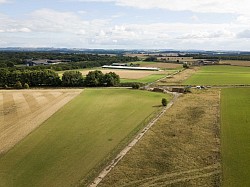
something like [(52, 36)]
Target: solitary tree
[(164, 102)]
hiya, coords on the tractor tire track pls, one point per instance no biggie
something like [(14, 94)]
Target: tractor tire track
[(169, 178)]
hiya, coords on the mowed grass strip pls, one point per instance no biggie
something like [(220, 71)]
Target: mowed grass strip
[(220, 75), (80, 136), (235, 125)]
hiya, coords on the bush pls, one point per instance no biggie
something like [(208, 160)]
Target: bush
[(164, 102), (26, 86), (130, 84), (18, 85), (135, 86)]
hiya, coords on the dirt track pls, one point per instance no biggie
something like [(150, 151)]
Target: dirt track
[(22, 111)]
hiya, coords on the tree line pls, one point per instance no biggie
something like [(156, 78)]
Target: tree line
[(36, 78), (225, 57), (9, 59)]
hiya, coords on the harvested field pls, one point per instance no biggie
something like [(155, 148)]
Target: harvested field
[(181, 149), (126, 74), (163, 65), (179, 78), (236, 62), (22, 111)]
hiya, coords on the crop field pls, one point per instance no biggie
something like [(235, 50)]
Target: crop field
[(76, 142), (235, 125), (236, 62), (220, 75), (181, 149), (22, 111)]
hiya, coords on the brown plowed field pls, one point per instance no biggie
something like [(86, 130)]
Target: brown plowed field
[(21, 111)]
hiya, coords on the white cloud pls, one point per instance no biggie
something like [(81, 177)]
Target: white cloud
[(204, 6), (47, 27), (195, 18), (3, 1), (208, 35), (244, 34)]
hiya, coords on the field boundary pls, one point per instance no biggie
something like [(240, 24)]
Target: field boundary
[(116, 160)]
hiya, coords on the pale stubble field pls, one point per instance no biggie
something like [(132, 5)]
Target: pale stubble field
[(22, 111)]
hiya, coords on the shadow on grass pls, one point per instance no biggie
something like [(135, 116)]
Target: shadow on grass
[(157, 106)]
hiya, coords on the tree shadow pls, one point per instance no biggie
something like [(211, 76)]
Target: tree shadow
[(157, 106)]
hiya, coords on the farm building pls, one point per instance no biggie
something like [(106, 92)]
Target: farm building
[(174, 59), (206, 62), (40, 62), (178, 89), (119, 64), (131, 68)]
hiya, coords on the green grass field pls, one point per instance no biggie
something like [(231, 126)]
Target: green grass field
[(79, 137), (235, 126), (220, 75), (147, 79)]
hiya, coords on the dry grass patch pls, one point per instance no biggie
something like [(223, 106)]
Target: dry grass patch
[(182, 149), (236, 62), (21, 111), (179, 77)]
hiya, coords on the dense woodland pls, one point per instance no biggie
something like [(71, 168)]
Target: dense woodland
[(14, 60)]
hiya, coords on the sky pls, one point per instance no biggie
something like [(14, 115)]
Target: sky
[(126, 24)]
